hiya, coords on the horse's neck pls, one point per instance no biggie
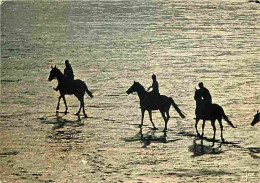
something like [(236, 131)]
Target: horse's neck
[(142, 93), (200, 103), (60, 78)]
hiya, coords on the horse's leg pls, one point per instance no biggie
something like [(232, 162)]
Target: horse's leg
[(79, 98), (168, 115), (64, 100), (142, 121), (150, 115), (79, 109), (214, 129), (221, 128), (83, 106), (203, 126), (58, 106), (196, 127), (165, 120)]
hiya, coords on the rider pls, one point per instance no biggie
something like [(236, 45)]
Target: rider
[(154, 93), (155, 86), (68, 73), (205, 94)]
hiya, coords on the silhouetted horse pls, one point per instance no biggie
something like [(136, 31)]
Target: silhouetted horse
[(66, 87), (209, 112), (256, 118), (147, 102)]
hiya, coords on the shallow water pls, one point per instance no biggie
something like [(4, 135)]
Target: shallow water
[(110, 44)]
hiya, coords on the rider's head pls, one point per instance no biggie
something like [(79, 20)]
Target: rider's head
[(154, 77), (66, 62), (201, 85)]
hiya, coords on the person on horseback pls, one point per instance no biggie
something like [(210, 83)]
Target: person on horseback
[(68, 73), (154, 93), (155, 86), (205, 94)]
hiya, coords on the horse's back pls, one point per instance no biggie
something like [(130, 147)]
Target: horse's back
[(74, 87), (217, 109), (209, 111), (157, 102), (79, 83)]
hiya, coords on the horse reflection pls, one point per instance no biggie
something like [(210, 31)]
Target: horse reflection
[(150, 137), (200, 149), (60, 122), (67, 130)]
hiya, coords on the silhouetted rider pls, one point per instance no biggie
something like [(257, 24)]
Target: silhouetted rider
[(155, 86), (205, 94), (68, 72), (154, 93)]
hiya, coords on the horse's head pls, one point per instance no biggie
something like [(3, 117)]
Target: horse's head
[(134, 88), (53, 73), (256, 118)]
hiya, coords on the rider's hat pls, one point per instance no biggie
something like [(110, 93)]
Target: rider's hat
[(153, 76)]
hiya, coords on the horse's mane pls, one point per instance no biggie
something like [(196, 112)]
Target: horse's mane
[(197, 94), (141, 86), (58, 70)]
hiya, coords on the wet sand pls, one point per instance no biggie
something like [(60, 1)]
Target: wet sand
[(110, 44)]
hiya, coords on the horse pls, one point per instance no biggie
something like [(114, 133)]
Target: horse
[(149, 103), (256, 118), (67, 87), (210, 112)]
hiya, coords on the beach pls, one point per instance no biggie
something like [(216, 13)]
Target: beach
[(111, 44)]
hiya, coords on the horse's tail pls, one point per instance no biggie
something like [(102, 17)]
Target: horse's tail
[(226, 119), (177, 108), (89, 92)]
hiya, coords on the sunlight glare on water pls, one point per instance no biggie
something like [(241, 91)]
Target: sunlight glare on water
[(111, 44)]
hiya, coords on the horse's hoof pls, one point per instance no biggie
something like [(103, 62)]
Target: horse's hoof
[(154, 128), (65, 112), (85, 116), (140, 126), (165, 130), (223, 140)]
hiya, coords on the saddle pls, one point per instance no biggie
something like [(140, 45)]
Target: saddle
[(154, 96), (152, 100)]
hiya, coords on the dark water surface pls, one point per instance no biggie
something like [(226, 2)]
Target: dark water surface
[(110, 44)]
